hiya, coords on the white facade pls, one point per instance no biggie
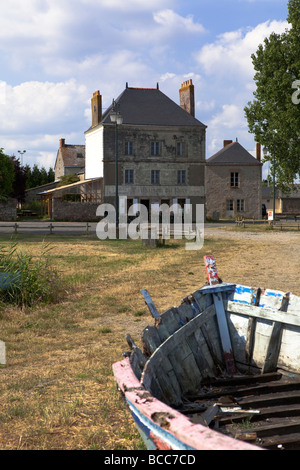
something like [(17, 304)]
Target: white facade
[(94, 151)]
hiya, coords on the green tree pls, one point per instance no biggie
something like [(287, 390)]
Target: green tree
[(19, 183), (273, 117), (7, 175), (68, 179), (51, 175)]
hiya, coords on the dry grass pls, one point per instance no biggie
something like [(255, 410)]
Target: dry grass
[(57, 390)]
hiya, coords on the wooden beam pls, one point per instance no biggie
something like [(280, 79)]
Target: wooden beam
[(262, 313), (213, 279), (150, 304)]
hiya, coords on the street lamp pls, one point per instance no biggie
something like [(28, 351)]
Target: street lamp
[(265, 152), (117, 118), (21, 153)]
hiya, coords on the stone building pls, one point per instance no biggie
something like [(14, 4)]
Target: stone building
[(160, 144), (233, 180), (70, 159), (287, 204)]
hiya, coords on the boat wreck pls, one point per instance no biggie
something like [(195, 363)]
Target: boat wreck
[(221, 371)]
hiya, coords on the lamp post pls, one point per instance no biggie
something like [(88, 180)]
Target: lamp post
[(21, 153), (117, 119), (265, 151)]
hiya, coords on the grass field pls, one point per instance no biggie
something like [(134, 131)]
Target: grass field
[(57, 390)]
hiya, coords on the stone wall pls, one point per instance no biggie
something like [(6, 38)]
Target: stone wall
[(168, 163), (74, 211), (8, 210), (218, 190)]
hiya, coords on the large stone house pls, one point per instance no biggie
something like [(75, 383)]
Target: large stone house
[(161, 148), (233, 180)]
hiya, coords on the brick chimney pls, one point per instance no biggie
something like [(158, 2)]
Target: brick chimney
[(61, 143), (187, 97), (258, 151), (96, 105), (226, 142)]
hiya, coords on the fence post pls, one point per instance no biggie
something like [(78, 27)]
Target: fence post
[(2, 353), (16, 227)]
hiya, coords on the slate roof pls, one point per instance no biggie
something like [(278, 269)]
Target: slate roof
[(232, 154), (149, 106), (267, 192), (73, 155)]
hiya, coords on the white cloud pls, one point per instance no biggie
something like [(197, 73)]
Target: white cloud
[(230, 117), (40, 105), (231, 53), (172, 21), (128, 5)]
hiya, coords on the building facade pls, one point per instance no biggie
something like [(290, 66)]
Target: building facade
[(233, 179), (160, 147), (70, 159)]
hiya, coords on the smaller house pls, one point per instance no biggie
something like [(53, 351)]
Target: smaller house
[(233, 182), (70, 159), (284, 204)]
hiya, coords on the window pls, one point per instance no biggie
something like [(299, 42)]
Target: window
[(181, 178), (229, 205), (128, 176), (234, 180), (128, 148), (240, 205), (155, 148), (155, 177), (181, 149)]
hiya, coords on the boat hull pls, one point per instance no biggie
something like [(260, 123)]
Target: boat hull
[(259, 328)]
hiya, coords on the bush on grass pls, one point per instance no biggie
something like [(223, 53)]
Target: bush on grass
[(32, 280)]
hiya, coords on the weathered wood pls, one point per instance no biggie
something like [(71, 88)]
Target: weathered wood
[(181, 358), (250, 339), (137, 358), (207, 416), (213, 279), (263, 313), (224, 334), (150, 303), (273, 350)]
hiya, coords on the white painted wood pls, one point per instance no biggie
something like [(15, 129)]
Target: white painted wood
[(263, 313)]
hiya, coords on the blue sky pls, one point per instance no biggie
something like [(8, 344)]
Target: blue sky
[(55, 53)]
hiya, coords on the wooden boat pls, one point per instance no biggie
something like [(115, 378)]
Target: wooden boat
[(221, 371)]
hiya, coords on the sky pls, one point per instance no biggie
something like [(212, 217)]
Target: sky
[(55, 53)]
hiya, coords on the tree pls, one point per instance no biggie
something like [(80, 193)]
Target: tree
[(7, 175), (19, 183), (273, 117)]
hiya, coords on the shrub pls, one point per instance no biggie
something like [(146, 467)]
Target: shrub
[(31, 280)]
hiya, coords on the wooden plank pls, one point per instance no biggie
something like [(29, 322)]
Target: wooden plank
[(213, 279), (202, 334), (263, 313), (158, 377), (168, 348), (224, 334), (150, 303), (273, 349), (182, 357), (250, 340), (137, 358)]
